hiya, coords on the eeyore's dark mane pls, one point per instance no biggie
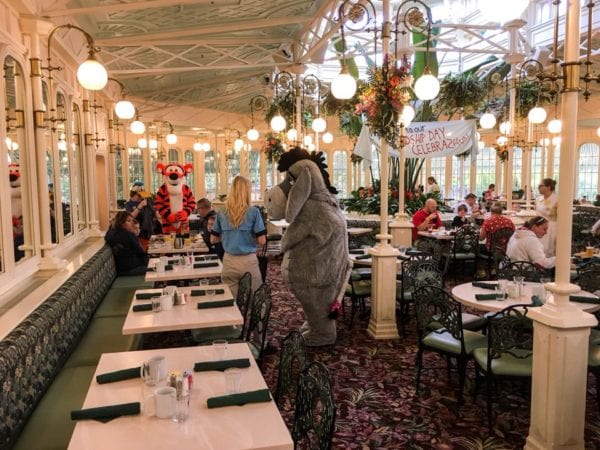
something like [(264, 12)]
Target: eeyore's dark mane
[(319, 160)]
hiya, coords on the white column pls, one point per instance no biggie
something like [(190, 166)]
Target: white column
[(448, 178), (382, 324), (561, 331)]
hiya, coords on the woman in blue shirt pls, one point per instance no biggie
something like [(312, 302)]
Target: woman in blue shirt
[(239, 227)]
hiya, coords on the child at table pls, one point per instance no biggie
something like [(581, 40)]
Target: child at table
[(461, 217)]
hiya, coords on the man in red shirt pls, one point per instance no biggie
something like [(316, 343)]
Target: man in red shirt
[(425, 218), (493, 224)]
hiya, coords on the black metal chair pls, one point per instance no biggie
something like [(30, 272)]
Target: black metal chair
[(498, 243), (432, 247), (464, 248), (415, 273), (314, 421), (358, 289), (529, 271), (440, 329), (256, 335), (291, 363), (509, 350)]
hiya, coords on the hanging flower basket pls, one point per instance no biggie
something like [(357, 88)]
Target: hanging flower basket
[(501, 151), (382, 99), (273, 147)]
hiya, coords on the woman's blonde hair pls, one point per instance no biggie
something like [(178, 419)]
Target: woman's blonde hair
[(238, 200)]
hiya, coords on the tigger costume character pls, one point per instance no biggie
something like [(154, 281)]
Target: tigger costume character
[(174, 199)]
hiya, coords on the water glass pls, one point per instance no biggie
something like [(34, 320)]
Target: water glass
[(204, 282), (543, 282), (156, 304), (499, 292), (182, 407), (233, 377), (210, 290), (519, 282), (220, 347)]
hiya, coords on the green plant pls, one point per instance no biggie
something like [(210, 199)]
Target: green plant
[(273, 147), (460, 93)]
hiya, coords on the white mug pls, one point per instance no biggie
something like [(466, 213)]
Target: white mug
[(164, 260), (166, 302), (512, 290), (163, 401), (170, 290), (154, 369), (160, 267)]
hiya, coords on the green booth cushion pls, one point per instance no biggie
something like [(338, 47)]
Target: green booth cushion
[(49, 427), (133, 281), (116, 303), (507, 364)]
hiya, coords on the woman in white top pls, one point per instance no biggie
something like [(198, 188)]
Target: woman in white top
[(432, 185), (546, 206), (526, 243)]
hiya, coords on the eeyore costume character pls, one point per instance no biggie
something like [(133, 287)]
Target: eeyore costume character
[(315, 265)]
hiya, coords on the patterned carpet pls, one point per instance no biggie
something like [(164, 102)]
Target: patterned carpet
[(375, 394)]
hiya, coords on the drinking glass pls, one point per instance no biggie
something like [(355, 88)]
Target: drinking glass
[(220, 347), (519, 282), (182, 407), (233, 377), (499, 292)]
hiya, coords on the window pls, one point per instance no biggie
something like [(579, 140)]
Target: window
[(136, 165), (78, 158), (271, 176), (119, 175), (189, 159), (438, 171), (460, 177), (486, 170), (156, 177), (517, 168), (556, 162), (587, 181), (340, 172), (64, 165), (537, 163), (254, 169), (210, 177), (173, 155)]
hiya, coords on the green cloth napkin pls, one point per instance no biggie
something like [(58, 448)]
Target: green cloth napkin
[(217, 304), (138, 308), (357, 251), (362, 257), (262, 395), (206, 258), (482, 285), (118, 375), (202, 292), (222, 365), (582, 299), (173, 261), (146, 295), (487, 297), (206, 264), (169, 267), (106, 413)]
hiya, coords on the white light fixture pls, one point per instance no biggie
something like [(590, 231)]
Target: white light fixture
[(62, 145), (153, 143), (502, 140), (124, 109), (206, 147), (197, 146), (505, 127), (308, 140), (292, 134), (343, 86), (14, 145), (142, 143), (171, 138), (327, 138), (238, 144), (556, 140), (137, 127), (502, 12), (427, 87), (92, 75), (252, 134), (278, 123), (555, 126), (8, 142), (537, 115), (487, 121), (319, 125), (598, 131), (407, 115)]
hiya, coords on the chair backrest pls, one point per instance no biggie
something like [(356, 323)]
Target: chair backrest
[(434, 305), (421, 273), (259, 318), (314, 421), (499, 239), (510, 331), (242, 299), (466, 239), (525, 269), (433, 247), (589, 278), (291, 363)]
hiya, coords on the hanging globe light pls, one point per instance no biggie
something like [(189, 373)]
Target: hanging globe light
[(15, 145), (427, 87), (343, 86), (206, 147), (142, 143), (505, 127), (407, 115), (556, 140), (555, 126), (153, 143), (137, 127), (124, 109), (171, 139), (319, 125), (487, 121), (252, 134), (292, 134), (197, 146), (8, 142), (537, 115), (308, 140), (92, 75), (502, 140), (327, 138), (238, 144), (278, 123)]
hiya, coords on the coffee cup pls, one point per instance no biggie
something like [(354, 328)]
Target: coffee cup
[(166, 302), (161, 403), (160, 267), (154, 369), (512, 290), (170, 290)]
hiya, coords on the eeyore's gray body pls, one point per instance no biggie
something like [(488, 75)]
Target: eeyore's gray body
[(315, 246)]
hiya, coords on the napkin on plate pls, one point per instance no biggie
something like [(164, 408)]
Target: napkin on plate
[(138, 308), (362, 257), (206, 264), (118, 375), (583, 299), (483, 285), (222, 365), (480, 297), (106, 413), (217, 304), (261, 395), (146, 295), (201, 292)]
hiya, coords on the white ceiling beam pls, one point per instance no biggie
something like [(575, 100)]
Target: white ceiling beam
[(168, 70), (227, 27), (213, 41), (132, 6)]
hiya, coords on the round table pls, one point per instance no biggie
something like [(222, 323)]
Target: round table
[(465, 294), (369, 261)]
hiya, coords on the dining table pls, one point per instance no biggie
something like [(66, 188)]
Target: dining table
[(184, 272), (466, 293), (249, 426), (183, 316)]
